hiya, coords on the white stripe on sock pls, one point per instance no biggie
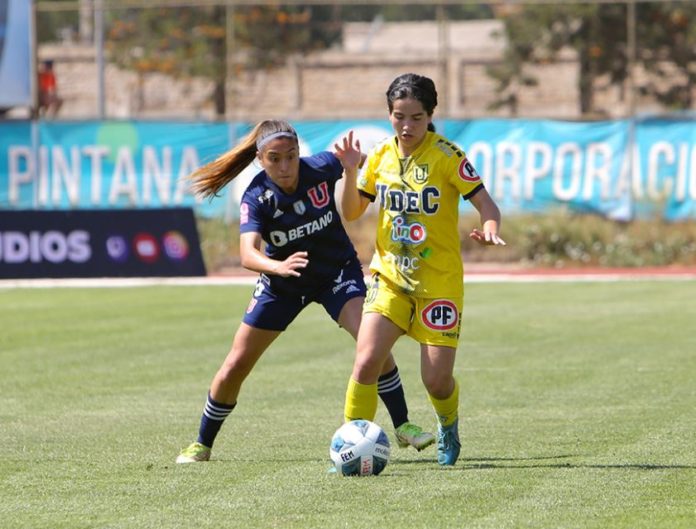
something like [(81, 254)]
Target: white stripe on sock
[(389, 384), (216, 413)]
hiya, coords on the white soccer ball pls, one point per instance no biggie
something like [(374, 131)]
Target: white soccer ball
[(359, 448)]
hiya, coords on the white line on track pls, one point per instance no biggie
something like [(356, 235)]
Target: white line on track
[(249, 279)]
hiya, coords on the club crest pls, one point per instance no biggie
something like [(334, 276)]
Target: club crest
[(299, 207), (420, 173)]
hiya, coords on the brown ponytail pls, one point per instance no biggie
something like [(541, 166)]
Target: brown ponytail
[(207, 181)]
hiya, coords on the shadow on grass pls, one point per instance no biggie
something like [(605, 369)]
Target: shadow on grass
[(504, 463), (491, 463)]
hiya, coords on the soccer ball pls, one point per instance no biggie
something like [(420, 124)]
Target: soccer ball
[(359, 448)]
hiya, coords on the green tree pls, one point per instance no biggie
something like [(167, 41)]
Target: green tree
[(667, 48), (49, 23), (414, 12), (192, 41), (665, 34)]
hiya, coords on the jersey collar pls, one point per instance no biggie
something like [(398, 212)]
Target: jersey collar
[(422, 147)]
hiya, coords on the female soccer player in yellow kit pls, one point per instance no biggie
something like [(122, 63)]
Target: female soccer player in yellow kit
[(417, 178)]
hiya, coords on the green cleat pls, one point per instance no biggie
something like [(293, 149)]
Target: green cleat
[(409, 434), (194, 453), (448, 444)]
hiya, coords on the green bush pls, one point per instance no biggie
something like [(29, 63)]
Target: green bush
[(557, 240), (564, 239), (219, 243)]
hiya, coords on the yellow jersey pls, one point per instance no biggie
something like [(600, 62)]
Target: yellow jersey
[(417, 245)]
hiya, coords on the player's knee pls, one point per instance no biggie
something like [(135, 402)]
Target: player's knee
[(367, 367), (439, 385), (234, 369)]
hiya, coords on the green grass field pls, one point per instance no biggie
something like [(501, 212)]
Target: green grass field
[(578, 411)]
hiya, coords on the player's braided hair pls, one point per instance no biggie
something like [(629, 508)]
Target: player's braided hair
[(208, 180), (413, 86)]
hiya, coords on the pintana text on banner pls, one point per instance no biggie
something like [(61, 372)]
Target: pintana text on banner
[(60, 179)]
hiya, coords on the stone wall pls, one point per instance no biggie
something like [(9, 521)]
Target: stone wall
[(127, 95)]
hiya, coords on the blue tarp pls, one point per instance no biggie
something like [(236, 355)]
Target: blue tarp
[(16, 53)]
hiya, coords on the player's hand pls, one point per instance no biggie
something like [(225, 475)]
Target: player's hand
[(348, 152), (292, 265), (486, 238)]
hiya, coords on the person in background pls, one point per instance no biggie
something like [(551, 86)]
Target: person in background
[(308, 258), (49, 101), (417, 178)]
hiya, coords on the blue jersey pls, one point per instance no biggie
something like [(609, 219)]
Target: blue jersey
[(306, 220)]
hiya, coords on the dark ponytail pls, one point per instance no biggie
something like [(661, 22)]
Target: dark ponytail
[(413, 86)]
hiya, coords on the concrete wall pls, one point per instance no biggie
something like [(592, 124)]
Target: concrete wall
[(346, 82)]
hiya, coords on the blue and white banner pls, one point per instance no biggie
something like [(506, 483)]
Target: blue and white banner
[(16, 55), (618, 169), (107, 165)]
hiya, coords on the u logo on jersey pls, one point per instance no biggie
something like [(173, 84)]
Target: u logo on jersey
[(440, 315), (420, 173), (319, 195)]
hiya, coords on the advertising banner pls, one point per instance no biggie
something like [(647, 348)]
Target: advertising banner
[(89, 243), (539, 165), (16, 55), (107, 165), (619, 169)]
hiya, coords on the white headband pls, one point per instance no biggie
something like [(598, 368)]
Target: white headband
[(281, 134)]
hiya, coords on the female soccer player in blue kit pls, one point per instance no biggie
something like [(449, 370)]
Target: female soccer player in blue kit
[(418, 178), (308, 258)]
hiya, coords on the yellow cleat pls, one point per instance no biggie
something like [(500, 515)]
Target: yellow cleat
[(194, 453), (409, 434)]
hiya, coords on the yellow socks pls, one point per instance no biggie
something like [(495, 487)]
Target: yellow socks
[(361, 401), (447, 409)]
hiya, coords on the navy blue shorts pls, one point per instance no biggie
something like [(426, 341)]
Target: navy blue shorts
[(274, 312)]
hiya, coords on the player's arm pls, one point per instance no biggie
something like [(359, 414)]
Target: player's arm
[(490, 219), (353, 204), (254, 259)]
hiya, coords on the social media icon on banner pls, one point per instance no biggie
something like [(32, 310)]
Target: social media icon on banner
[(117, 248), (175, 245), (146, 247)]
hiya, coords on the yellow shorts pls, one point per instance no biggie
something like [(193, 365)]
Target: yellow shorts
[(432, 321)]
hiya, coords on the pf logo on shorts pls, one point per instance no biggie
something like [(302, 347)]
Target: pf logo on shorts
[(440, 315)]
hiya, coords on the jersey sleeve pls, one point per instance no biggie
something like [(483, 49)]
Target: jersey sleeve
[(250, 217), (465, 178), (366, 178), (326, 162)]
